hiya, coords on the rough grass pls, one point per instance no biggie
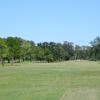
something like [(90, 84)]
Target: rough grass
[(72, 80)]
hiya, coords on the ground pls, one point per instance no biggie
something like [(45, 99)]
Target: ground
[(72, 80)]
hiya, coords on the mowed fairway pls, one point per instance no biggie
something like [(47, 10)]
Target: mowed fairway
[(72, 80)]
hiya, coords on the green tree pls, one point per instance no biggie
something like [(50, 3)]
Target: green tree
[(68, 49), (95, 49), (27, 51), (14, 47), (3, 50)]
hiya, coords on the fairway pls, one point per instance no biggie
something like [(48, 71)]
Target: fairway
[(72, 80)]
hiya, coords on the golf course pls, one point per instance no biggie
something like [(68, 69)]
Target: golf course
[(49, 49), (68, 80)]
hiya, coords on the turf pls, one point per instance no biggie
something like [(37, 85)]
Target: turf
[(72, 80)]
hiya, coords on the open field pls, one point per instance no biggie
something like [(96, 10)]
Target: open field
[(72, 80)]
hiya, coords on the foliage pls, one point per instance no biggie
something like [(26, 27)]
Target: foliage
[(16, 49), (3, 50)]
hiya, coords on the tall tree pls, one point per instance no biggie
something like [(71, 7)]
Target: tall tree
[(95, 48), (27, 50), (3, 50), (69, 50), (14, 46)]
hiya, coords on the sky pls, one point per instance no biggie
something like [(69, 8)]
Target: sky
[(75, 21)]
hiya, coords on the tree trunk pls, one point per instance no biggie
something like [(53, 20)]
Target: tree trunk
[(8, 60)]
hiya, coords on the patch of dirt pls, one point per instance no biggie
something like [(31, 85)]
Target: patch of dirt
[(80, 94)]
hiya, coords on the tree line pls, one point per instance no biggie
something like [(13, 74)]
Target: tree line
[(16, 49)]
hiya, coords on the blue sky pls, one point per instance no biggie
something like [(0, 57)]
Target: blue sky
[(77, 21)]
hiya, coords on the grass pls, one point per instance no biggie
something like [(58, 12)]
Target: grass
[(72, 80)]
